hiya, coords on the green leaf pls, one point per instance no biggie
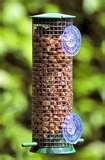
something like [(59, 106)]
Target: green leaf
[(103, 47), (12, 12), (6, 157), (86, 85), (97, 118), (90, 6), (86, 50), (101, 19), (51, 8), (94, 151), (86, 105)]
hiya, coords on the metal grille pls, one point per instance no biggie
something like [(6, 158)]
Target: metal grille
[(52, 94)]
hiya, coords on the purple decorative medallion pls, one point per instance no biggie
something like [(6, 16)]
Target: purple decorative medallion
[(71, 40), (72, 128)]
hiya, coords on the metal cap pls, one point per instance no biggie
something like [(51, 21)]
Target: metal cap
[(53, 15)]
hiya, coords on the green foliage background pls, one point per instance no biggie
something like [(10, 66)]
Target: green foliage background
[(15, 76)]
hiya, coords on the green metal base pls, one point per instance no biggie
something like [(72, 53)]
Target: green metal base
[(51, 150), (63, 150)]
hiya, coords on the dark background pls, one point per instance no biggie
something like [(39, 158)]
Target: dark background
[(15, 75)]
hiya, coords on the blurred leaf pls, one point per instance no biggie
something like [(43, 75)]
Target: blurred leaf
[(90, 84), (18, 135), (101, 19), (90, 6), (97, 119), (86, 51), (12, 12), (51, 8), (11, 39), (12, 106), (38, 157), (24, 27), (33, 6), (83, 69), (26, 49), (102, 93), (2, 46), (6, 157), (18, 43), (87, 131), (94, 151), (9, 81), (86, 105), (103, 47)]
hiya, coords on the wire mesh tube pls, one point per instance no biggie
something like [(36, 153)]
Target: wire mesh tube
[(52, 92)]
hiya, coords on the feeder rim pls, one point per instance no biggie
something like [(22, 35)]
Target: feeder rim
[(53, 16)]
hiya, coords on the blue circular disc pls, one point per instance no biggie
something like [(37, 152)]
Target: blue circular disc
[(71, 40), (72, 128)]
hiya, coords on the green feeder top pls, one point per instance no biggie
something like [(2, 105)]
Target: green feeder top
[(53, 15)]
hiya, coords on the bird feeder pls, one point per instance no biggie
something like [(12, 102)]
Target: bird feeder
[(55, 42)]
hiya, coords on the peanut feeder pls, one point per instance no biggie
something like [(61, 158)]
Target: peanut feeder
[(55, 41)]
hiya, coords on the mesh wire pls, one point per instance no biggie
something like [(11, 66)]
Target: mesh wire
[(52, 93)]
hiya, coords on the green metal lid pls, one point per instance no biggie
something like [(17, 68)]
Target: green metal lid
[(53, 15)]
